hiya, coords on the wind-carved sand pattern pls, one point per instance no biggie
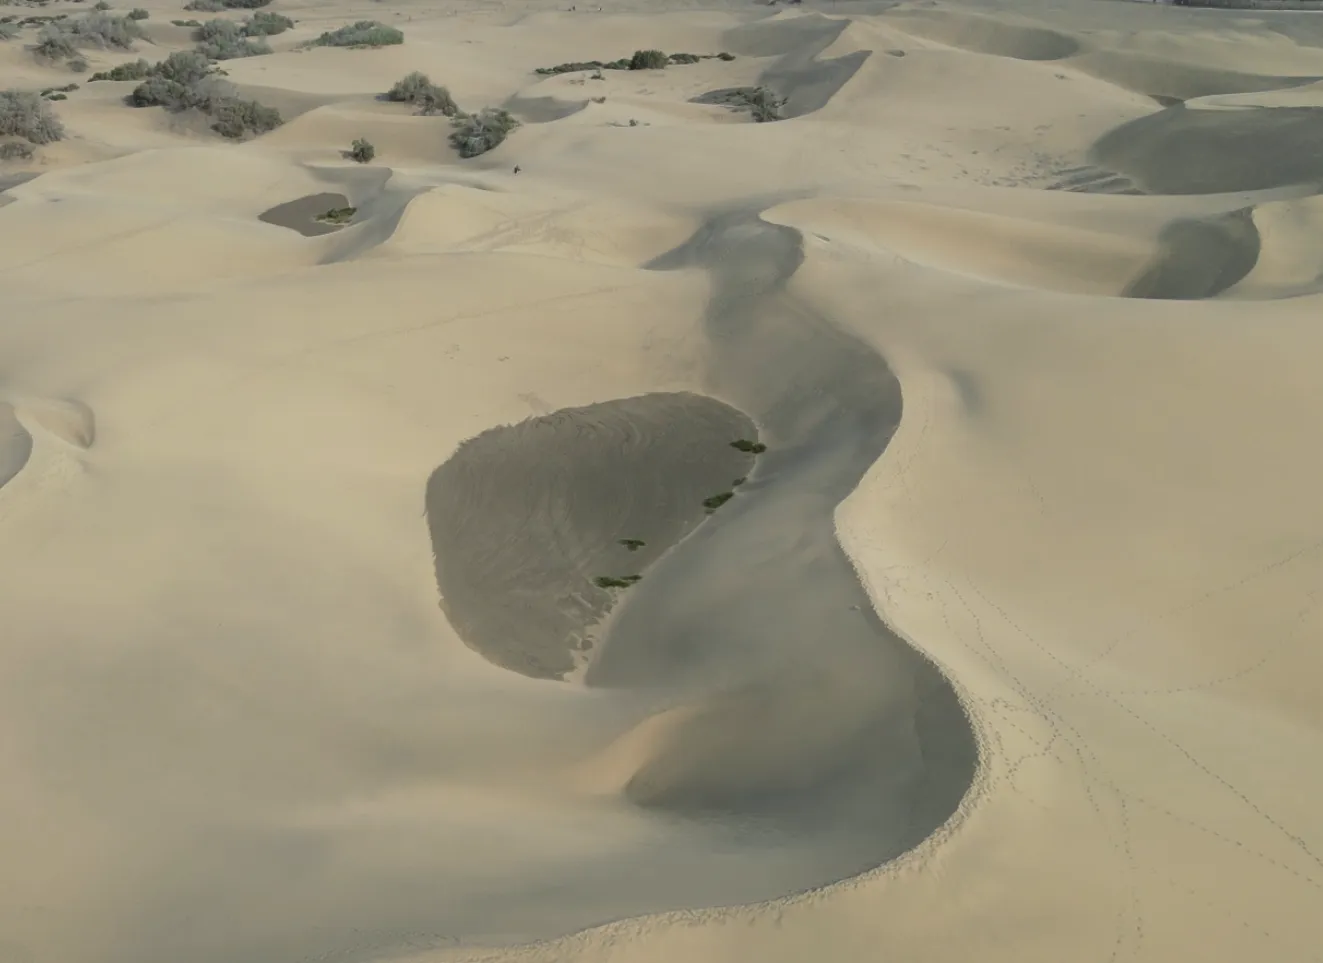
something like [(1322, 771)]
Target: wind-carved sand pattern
[(526, 518)]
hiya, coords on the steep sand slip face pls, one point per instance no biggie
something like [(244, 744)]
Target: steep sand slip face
[(391, 590), (527, 520)]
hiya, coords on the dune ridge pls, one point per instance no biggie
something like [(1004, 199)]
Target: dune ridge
[(889, 530)]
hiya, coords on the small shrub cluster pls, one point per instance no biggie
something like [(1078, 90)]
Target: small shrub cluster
[(133, 70), (16, 150), (186, 81), (362, 151), (364, 33), (138, 13), (60, 40), (265, 23), (187, 23), (641, 60), (227, 40), (478, 133), (338, 215), (429, 98), (25, 114), (214, 6)]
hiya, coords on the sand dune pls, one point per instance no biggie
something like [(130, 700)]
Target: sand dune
[(886, 532)]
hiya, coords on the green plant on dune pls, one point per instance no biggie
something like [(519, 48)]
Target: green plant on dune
[(138, 13), (266, 23), (745, 445), (364, 33), (226, 40), (647, 60), (713, 502), (616, 581), (338, 215), (25, 114), (417, 89), (133, 70), (633, 544), (362, 151), (478, 133)]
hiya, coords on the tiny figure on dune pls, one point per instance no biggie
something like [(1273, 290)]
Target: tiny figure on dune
[(517, 169)]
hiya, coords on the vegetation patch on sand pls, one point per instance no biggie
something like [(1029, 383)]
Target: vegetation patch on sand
[(478, 133), (24, 114), (364, 33), (186, 80), (761, 103), (417, 89), (641, 60)]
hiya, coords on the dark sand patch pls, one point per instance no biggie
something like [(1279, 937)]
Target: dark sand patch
[(806, 83), (1199, 258), (524, 518), (301, 214), (15, 444), (1185, 151)]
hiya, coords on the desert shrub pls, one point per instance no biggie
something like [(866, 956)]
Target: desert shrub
[(212, 6), (184, 67), (159, 91), (52, 44), (683, 58), (100, 5), (187, 23), (364, 33), (647, 60), (138, 13), (236, 118), (57, 96), (362, 151), (24, 114), (264, 23), (225, 40), (8, 31), (429, 98), (338, 215), (725, 56), (133, 70), (478, 133), (16, 150)]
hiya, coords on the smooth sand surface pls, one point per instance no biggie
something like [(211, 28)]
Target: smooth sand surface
[(1007, 648)]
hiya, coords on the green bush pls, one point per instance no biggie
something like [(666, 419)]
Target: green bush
[(362, 151), (418, 89), (133, 70), (212, 6), (59, 40), (236, 118), (647, 60), (138, 13), (478, 133), (187, 23), (266, 24), (24, 114), (184, 67), (54, 45), (100, 5), (225, 40), (364, 33)]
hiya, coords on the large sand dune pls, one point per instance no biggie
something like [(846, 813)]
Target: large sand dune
[(889, 532)]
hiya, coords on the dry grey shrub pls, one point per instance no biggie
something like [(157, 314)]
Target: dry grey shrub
[(25, 114)]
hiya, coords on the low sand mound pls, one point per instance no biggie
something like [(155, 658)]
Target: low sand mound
[(456, 217), (15, 444), (998, 36), (993, 247), (527, 520), (1181, 150)]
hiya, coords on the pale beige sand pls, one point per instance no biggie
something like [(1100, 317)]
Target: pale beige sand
[(1008, 650)]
